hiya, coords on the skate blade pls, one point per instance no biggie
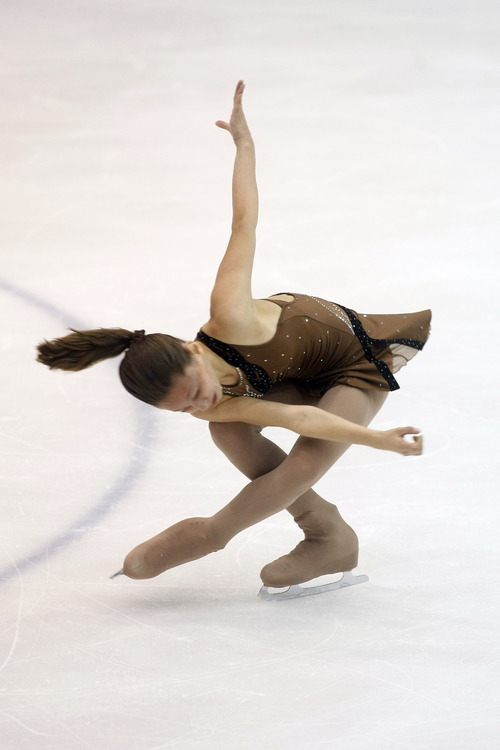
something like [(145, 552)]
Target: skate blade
[(293, 592)]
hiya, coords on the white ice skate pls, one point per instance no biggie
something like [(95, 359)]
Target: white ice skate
[(293, 592)]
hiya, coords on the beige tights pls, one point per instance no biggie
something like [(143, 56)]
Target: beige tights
[(279, 481)]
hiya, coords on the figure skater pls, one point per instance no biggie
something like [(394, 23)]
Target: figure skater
[(291, 360)]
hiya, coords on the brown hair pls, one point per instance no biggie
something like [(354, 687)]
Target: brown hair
[(147, 369)]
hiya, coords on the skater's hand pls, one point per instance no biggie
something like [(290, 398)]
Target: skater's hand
[(404, 440), (237, 124)]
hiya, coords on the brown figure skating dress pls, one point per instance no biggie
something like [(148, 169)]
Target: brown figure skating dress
[(322, 344)]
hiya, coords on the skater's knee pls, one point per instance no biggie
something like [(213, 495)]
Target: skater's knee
[(226, 434), (217, 431)]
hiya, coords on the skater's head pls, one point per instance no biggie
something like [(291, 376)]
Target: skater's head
[(152, 363)]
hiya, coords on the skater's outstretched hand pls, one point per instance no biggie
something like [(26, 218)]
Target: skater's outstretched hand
[(237, 124), (394, 440)]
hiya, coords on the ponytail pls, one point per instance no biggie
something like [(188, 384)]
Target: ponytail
[(82, 349), (146, 370)]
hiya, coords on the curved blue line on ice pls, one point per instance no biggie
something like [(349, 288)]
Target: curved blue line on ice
[(136, 464)]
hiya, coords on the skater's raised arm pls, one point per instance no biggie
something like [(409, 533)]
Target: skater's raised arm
[(231, 301)]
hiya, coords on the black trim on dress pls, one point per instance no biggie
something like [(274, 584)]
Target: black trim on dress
[(256, 375), (367, 342)]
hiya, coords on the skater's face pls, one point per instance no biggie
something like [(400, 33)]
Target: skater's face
[(197, 389)]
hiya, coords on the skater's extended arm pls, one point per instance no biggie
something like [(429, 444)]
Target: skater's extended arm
[(311, 421), (231, 301)]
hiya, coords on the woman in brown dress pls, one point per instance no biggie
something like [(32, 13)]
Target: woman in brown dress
[(292, 360)]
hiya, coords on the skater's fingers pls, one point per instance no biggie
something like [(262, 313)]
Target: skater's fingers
[(413, 443), (410, 430)]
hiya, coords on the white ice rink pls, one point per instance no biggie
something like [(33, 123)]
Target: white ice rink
[(377, 126)]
